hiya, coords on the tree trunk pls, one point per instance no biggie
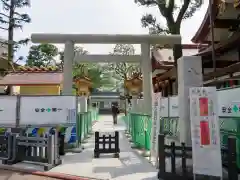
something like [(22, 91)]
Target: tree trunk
[(177, 53), (10, 34), (10, 40)]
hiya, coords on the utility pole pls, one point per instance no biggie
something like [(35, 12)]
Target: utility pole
[(211, 18)]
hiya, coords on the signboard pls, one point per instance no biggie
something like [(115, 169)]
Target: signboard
[(229, 103), (205, 132), (155, 124), (173, 105), (8, 109), (48, 110), (164, 107)]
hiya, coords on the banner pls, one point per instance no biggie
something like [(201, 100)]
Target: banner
[(156, 98), (206, 150)]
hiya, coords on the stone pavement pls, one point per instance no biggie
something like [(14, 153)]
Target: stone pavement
[(11, 175), (130, 165)]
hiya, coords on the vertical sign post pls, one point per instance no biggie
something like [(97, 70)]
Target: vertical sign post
[(155, 126), (205, 132)]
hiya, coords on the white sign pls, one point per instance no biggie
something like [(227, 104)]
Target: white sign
[(173, 105), (48, 110), (155, 124), (8, 109), (229, 103), (164, 107), (205, 131)]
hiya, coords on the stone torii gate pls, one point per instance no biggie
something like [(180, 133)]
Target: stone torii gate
[(144, 59)]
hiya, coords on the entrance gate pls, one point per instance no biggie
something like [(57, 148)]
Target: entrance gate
[(144, 58)]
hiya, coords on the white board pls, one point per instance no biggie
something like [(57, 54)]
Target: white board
[(173, 105), (229, 103), (48, 110), (205, 131), (8, 105), (164, 107), (156, 99)]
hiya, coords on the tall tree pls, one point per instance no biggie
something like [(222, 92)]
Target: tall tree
[(77, 49), (97, 72), (122, 70), (12, 18), (174, 12), (41, 55)]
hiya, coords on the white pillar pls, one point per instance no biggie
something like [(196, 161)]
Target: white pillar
[(189, 75), (146, 66), (134, 103), (68, 68)]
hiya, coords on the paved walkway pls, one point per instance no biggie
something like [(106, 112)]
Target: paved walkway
[(130, 165), (10, 175)]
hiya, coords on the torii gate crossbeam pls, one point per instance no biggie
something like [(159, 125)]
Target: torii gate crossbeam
[(145, 40)]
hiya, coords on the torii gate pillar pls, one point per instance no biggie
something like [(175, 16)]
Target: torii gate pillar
[(68, 68), (146, 67)]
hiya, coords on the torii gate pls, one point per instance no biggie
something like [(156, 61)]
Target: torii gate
[(144, 40)]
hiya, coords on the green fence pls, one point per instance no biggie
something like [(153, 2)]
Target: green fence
[(139, 127), (84, 124)]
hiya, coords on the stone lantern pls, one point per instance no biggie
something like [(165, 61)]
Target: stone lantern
[(83, 85), (83, 82), (134, 84)]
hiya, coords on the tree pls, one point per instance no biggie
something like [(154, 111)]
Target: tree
[(41, 55), (96, 72), (123, 70), (168, 9), (77, 49), (10, 19)]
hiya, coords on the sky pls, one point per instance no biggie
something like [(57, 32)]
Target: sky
[(94, 17)]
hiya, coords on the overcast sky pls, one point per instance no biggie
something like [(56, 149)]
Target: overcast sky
[(94, 17)]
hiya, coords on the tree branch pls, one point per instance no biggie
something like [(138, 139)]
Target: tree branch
[(182, 12)]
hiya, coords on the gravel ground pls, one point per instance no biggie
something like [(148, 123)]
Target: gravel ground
[(10, 175)]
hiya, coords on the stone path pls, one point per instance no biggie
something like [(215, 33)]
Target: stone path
[(130, 165), (10, 175)]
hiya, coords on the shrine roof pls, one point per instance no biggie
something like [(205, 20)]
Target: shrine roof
[(222, 47), (204, 28), (225, 18), (25, 75)]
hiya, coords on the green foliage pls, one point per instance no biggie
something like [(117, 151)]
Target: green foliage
[(123, 70), (11, 18), (97, 72), (168, 9), (41, 55)]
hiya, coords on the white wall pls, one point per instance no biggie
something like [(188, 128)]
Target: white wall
[(167, 54)]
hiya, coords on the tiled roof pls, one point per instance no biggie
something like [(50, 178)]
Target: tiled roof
[(35, 69), (33, 78), (26, 75)]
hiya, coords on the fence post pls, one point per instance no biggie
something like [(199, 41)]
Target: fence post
[(232, 156), (18, 111), (61, 143), (50, 149), (96, 148), (184, 158), (161, 156), (117, 142), (173, 157)]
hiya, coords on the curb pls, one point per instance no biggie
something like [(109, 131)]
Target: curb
[(46, 174)]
